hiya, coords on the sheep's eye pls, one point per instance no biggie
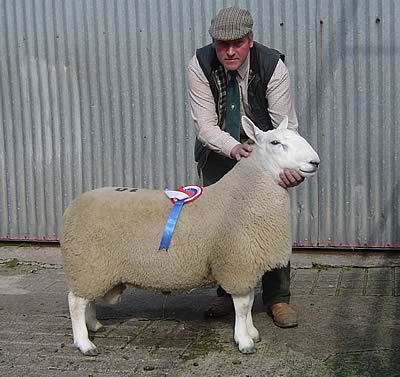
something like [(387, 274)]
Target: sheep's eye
[(275, 142)]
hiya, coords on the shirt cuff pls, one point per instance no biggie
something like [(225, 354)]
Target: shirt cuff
[(227, 147)]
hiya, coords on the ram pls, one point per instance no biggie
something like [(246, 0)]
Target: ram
[(237, 230)]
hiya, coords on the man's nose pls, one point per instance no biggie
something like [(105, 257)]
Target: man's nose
[(231, 51)]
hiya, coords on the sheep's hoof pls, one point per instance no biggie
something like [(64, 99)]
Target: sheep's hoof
[(97, 327), (248, 349), (246, 345), (91, 352), (100, 329), (87, 348)]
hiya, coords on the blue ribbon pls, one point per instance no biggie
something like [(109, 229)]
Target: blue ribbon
[(170, 224)]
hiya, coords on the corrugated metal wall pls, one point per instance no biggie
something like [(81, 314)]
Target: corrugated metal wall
[(93, 93)]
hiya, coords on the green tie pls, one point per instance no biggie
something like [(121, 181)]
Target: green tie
[(232, 122)]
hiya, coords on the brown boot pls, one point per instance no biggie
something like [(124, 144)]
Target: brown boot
[(283, 315), (220, 307)]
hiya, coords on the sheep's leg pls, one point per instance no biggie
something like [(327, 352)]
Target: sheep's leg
[(253, 332), (242, 337), (77, 309), (90, 317), (113, 296)]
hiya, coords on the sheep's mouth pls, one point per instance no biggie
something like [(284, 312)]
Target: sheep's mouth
[(308, 172)]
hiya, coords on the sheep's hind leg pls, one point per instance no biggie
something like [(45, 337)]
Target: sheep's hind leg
[(113, 296), (90, 316), (242, 337), (77, 309)]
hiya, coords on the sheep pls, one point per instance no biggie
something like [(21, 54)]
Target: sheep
[(237, 230)]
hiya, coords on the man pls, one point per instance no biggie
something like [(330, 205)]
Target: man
[(231, 77)]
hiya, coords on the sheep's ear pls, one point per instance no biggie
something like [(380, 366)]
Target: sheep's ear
[(250, 129), (284, 124)]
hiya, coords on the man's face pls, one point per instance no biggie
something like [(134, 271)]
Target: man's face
[(232, 54)]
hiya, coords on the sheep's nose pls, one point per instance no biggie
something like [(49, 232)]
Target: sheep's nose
[(314, 163)]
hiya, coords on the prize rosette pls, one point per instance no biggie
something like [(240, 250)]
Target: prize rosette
[(179, 197), (185, 193)]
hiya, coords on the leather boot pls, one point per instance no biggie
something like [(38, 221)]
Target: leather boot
[(283, 315)]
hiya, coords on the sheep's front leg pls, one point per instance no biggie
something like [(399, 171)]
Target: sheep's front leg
[(253, 332), (243, 306), (77, 309)]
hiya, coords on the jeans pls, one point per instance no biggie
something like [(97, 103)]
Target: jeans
[(275, 283)]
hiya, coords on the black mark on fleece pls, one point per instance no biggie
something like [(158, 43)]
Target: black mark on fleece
[(124, 189)]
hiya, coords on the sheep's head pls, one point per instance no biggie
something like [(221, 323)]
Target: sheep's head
[(282, 148)]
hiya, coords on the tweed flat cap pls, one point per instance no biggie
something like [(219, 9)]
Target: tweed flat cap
[(230, 24)]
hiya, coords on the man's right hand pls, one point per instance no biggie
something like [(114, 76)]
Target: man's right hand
[(241, 150)]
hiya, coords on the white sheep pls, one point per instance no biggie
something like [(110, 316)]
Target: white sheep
[(237, 230)]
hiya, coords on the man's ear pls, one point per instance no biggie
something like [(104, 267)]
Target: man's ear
[(250, 39), (250, 129), (251, 42)]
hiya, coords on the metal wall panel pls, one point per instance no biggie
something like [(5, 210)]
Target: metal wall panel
[(93, 93)]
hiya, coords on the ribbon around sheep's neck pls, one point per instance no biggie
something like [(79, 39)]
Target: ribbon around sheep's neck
[(182, 195)]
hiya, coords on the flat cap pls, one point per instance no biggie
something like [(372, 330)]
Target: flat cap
[(230, 24)]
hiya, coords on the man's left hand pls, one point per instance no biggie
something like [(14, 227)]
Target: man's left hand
[(290, 178), (241, 150)]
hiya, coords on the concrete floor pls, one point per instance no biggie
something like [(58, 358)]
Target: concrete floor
[(348, 305)]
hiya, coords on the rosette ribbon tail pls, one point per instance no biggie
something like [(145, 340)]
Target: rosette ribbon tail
[(170, 224)]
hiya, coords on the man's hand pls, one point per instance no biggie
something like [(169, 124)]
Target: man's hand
[(290, 178), (241, 150)]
